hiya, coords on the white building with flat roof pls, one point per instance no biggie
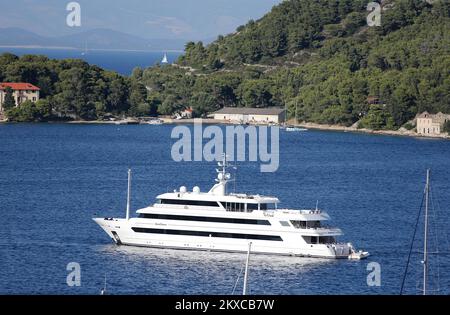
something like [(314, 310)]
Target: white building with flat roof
[(243, 115)]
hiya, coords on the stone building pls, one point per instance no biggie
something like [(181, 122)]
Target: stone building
[(431, 124)]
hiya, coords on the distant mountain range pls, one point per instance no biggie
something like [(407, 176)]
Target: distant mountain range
[(92, 39)]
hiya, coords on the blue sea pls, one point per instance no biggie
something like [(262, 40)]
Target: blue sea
[(122, 62), (55, 177)]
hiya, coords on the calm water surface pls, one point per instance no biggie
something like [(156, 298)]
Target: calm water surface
[(121, 61), (55, 178)]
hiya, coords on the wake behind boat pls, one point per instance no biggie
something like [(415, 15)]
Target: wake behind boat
[(295, 129), (220, 221)]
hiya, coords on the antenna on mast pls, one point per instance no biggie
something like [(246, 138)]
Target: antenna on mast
[(223, 177)]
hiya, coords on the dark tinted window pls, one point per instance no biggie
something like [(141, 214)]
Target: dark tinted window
[(202, 219), (233, 206), (208, 234), (189, 202)]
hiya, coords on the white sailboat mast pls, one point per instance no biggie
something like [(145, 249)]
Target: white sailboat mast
[(425, 238), (245, 289)]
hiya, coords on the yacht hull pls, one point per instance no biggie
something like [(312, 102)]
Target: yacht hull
[(122, 233)]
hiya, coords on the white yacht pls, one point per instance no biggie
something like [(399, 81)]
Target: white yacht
[(220, 221)]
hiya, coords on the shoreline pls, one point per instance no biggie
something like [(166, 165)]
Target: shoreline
[(314, 126), (339, 128)]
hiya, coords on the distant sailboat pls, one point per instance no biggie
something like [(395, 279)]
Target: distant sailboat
[(85, 49), (165, 60)]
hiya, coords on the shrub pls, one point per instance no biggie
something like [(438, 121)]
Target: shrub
[(447, 126), (409, 126)]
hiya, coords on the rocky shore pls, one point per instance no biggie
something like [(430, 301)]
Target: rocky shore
[(400, 132)]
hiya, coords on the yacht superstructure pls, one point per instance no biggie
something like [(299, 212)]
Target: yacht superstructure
[(220, 221)]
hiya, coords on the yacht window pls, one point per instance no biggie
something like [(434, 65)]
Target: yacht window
[(209, 234), (318, 240), (189, 202), (267, 206), (299, 224), (327, 240), (285, 223), (234, 206), (202, 219)]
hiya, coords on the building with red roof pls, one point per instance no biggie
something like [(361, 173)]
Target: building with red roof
[(21, 92)]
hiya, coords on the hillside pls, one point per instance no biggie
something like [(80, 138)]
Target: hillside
[(320, 57), (316, 57), (70, 89)]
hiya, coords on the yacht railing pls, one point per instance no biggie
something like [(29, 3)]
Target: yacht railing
[(326, 229), (319, 229)]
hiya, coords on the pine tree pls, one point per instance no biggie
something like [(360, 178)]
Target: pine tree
[(9, 99)]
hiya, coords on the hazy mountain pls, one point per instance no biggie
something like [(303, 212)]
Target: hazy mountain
[(93, 39), (16, 37)]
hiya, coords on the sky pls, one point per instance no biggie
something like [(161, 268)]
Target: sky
[(171, 19)]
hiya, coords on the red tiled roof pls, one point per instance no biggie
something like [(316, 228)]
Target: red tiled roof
[(19, 86)]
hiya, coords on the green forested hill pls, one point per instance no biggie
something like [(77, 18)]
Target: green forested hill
[(320, 57), (71, 89), (288, 28)]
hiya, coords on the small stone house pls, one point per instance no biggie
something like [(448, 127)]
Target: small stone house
[(431, 124)]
